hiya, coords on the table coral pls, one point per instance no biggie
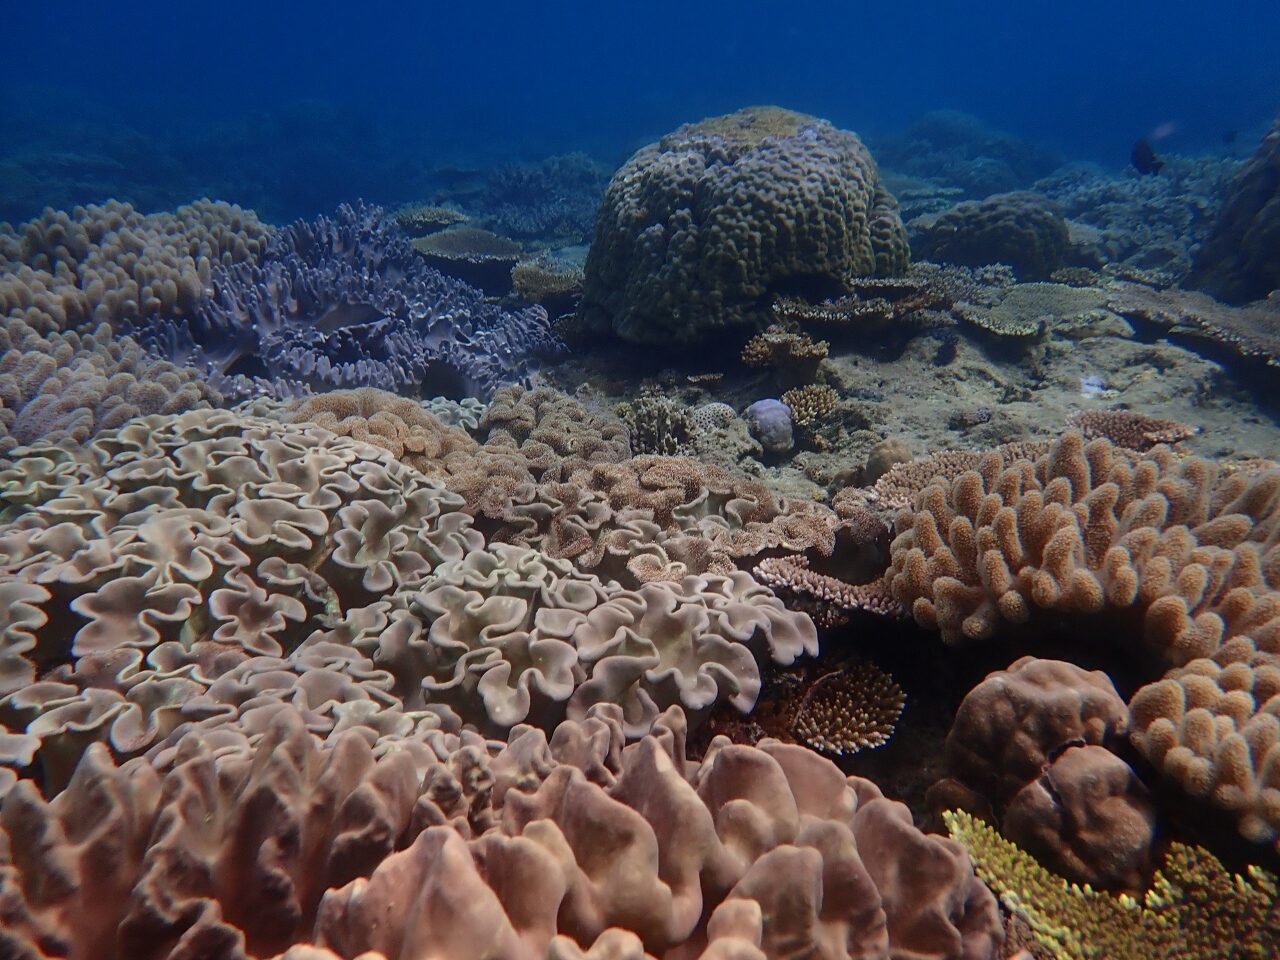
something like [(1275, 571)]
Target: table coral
[(1194, 908)]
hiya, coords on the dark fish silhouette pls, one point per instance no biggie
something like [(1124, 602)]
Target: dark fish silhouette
[(1229, 137), (1144, 159)]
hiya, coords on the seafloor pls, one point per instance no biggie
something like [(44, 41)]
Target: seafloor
[(780, 546)]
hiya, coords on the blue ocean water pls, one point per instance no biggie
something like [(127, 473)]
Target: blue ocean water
[(291, 107)]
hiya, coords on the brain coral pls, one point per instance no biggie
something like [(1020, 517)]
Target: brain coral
[(697, 231), (345, 302), (572, 846)]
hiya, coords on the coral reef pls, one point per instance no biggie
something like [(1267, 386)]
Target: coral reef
[(1237, 261), (550, 202), (177, 568), (697, 230), (658, 426), (961, 153), (553, 284), (345, 302), (1152, 223)]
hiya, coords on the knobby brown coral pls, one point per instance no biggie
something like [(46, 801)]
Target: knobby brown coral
[(565, 846)]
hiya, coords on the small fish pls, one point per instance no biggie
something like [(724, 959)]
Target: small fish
[(1229, 137), (1144, 159)]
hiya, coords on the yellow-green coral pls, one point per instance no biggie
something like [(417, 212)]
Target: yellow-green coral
[(1195, 907)]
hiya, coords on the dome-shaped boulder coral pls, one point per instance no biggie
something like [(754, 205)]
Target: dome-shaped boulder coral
[(698, 231), (1238, 263), (1023, 230)]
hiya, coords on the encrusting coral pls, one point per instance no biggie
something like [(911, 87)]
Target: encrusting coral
[(1194, 907), (569, 845)]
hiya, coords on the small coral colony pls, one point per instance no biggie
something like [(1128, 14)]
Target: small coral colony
[(762, 552)]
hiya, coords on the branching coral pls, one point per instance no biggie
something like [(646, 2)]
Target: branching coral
[(851, 709), (1129, 428)]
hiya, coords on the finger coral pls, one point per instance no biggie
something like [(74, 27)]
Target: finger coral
[(1083, 528), (110, 264)]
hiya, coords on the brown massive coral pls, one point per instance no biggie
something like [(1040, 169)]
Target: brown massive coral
[(697, 231), (568, 846)]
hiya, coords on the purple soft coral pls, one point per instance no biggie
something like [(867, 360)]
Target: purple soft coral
[(345, 302)]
